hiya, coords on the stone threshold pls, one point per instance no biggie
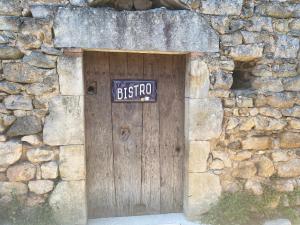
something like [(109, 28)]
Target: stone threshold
[(161, 219)]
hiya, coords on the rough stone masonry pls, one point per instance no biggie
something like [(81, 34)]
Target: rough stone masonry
[(248, 135)]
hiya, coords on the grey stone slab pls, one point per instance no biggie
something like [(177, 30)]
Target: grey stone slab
[(64, 124), (152, 30), (68, 202), (205, 118)]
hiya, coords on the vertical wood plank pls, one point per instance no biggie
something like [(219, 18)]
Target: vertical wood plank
[(150, 151), (166, 101), (178, 152), (127, 137), (100, 182), (171, 149)]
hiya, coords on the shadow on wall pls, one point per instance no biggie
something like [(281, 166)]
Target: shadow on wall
[(146, 4)]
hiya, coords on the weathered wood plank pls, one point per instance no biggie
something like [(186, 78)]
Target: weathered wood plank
[(170, 146), (178, 115), (127, 137), (150, 151), (99, 149)]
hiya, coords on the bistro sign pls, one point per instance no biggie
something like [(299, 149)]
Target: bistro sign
[(134, 90)]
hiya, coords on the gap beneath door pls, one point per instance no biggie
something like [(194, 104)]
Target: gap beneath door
[(161, 219)]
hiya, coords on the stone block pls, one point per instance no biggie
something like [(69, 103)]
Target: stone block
[(49, 170), (43, 11), (25, 125), (9, 188), (245, 170), (47, 86), (10, 87), (233, 39), (78, 2), (265, 167), (37, 155), (247, 52), (220, 23), (10, 8), (232, 123), (21, 172), (197, 80), (242, 155), (280, 100), (295, 26), (257, 143), (41, 187), (284, 70), (266, 84), (243, 101), (286, 47), (24, 73), (40, 60), (38, 29), (289, 169), (284, 185), (294, 123), (267, 123), (32, 139), (10, 152), (292, 112), (72, 162), (70, 71), (280, 156), (127, 30), (217, 164), (68, 201), (292, 84), (259, 23), (275, 9), (18, 102), (10, 23), (7, 52), (270, 112), (65, 123), (222, 7), (198, 156), (289, 140), (254, 186), (204, 119), (222, 80), (204, 190)]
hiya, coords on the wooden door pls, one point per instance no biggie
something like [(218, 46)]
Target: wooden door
[(135, 151)]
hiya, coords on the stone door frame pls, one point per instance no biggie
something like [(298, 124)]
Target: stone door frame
[(201, 188), (109, 30)]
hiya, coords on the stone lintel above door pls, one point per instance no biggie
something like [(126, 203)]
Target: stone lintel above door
[(157, 30)]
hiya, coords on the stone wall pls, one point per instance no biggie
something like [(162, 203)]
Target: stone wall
[(257, 77), (242, 105), (42, 155)]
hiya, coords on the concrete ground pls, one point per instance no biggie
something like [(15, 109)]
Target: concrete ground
[(162, 219)]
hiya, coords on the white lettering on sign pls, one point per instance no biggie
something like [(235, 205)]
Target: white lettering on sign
[(131, 90), (148, 89), (120, 93)]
